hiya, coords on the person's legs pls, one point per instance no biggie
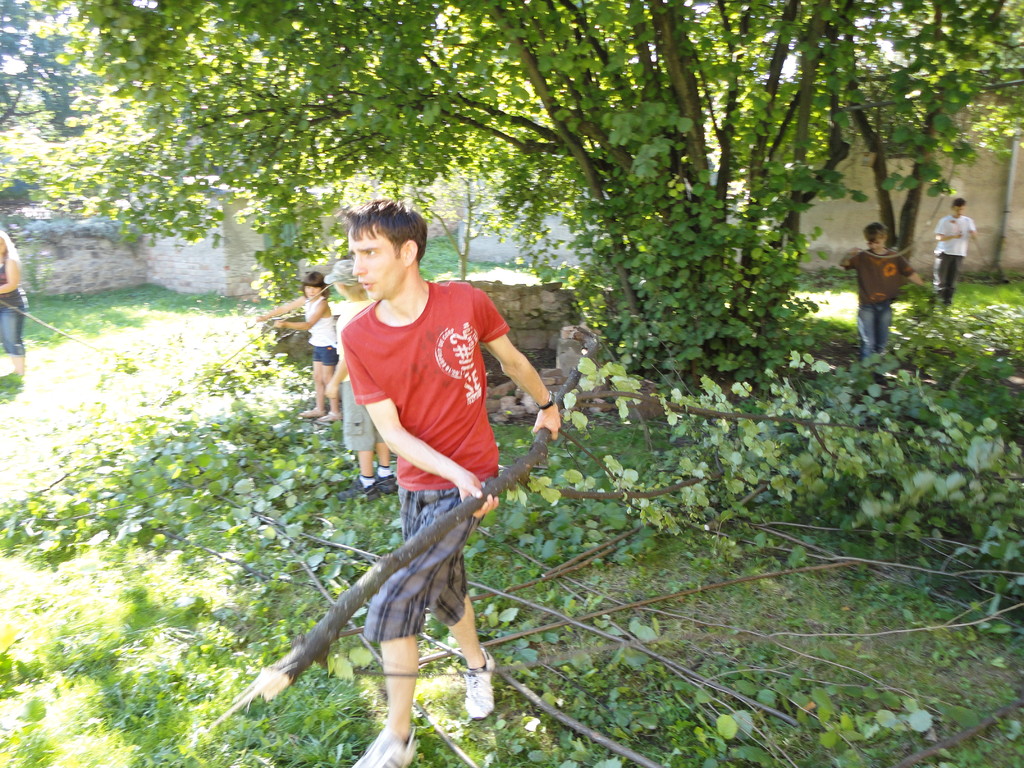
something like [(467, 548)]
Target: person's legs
[(944, 276), (383, 454), (401, 663), (866, 330), (465, 634), (883, 319), (365, 459), (318, 409), (12, 324), (334, 401), (397, 612), (320, 383), (953, 274)]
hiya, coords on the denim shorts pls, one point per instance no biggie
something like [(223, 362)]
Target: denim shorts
[(325, 355), (436, 579)]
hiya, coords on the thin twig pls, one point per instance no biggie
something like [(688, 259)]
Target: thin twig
[(690, 674), (576, 725)]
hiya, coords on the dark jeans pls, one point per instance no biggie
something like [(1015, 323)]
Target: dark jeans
[(11, 324), (873, 326), (947, 266)]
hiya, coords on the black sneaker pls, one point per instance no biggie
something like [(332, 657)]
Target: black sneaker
[(357, 489), (386, 485), (382, 486)]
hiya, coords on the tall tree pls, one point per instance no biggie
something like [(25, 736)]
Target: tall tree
[(36, 85), (680, 140)]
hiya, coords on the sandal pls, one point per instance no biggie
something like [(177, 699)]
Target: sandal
[(314, 414), (330, 418)]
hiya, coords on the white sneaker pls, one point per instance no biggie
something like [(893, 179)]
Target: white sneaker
[(479, 692), (388, 751)]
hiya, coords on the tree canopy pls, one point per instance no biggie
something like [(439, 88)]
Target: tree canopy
[(680, 140)]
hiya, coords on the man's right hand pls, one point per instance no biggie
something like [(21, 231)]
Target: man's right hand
[(470, 487)]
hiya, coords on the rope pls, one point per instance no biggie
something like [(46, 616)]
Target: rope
[(30, 316)]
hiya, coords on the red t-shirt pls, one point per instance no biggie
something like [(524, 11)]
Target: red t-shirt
[(433, 371)]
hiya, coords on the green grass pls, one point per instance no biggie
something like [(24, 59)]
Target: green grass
[(834, 292), (441, 262), (120, 646), (89, 316)]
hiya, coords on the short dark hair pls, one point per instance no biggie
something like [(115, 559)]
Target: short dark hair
[(958, 202), (875, 228), (396, 221), (315, 279)]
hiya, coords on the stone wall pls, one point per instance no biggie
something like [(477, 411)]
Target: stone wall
[(222, 263), (983, 184), (535, 313), (78, 264)]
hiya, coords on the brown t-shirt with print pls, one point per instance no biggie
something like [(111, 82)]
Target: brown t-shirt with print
[(879, 276)]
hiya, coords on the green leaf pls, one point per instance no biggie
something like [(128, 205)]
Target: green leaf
[(8, 634), (886, 719), (641, 631), (726, 726), (508, 615), (34, 710), (360, 657), (920, 720)]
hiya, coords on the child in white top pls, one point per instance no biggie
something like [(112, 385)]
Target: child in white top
[(322, 335)]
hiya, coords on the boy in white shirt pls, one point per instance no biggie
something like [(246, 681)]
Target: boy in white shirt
[(951, 235)]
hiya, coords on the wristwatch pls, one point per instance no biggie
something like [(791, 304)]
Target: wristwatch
[(548, 404)]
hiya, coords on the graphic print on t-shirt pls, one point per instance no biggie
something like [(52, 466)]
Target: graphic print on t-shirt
[(454, 354)]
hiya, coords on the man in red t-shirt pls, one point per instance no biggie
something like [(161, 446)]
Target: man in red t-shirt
[(415, 362)]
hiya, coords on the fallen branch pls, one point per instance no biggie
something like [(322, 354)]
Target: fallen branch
[(572, 493), (314, 646), (672, 596), (710, 413), (963, 735)]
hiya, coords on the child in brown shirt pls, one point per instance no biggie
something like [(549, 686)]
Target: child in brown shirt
[(881, 272)]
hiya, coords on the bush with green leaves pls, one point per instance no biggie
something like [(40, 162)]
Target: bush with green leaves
[(834, 449), (970, 355)]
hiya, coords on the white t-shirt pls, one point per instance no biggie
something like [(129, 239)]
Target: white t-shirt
[(961, 226), (322, 334)]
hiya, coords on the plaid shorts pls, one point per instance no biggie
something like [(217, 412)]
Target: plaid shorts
[(436, 579)]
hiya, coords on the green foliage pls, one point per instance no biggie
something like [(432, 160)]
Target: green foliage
[(130, 638), (680, 142), (899, 462), (37, 83)]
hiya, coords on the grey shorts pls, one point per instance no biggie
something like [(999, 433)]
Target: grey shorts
[(357, 427), (436, 579)]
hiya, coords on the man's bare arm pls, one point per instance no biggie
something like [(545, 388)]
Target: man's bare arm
[(518, 368), (418, 453)]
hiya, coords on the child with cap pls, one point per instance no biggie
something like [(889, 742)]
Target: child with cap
[(360, 434)]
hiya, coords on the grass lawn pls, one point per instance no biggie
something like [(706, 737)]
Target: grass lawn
[(167, 517)]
